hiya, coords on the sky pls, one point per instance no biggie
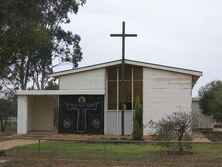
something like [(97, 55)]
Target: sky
[(179, 33)]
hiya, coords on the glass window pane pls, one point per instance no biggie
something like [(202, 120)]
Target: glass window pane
[(137, 73), (112, 95), (138, 91), (128, 72), (128, 95), (112, 73)]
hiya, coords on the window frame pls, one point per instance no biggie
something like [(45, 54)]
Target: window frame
[(118, 87)]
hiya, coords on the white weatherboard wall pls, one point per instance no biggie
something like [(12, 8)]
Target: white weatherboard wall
[(88, 80), (164, 92)]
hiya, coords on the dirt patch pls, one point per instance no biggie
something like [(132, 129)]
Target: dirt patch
[(5, 145), (3, 161), (165, 162), (199, 137)]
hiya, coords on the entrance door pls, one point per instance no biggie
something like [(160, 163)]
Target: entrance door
[(81, 114)]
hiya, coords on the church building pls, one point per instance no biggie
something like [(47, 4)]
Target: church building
[(89, 98)]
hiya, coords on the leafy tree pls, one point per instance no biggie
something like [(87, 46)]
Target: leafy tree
[(138, 121), (52, 85), (7, 109), (174, 128), (211, 99), (31, 37)]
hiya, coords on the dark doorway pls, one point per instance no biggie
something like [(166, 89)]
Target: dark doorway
[(81, 114)]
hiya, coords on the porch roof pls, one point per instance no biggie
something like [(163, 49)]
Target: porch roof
[(59, 92)]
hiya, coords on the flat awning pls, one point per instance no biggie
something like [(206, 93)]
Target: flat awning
[(59, 92)]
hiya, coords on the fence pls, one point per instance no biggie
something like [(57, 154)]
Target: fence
[(62, 151)]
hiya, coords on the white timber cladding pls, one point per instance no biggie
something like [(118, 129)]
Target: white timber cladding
[(22, 126), (87, 80), (164, 92)]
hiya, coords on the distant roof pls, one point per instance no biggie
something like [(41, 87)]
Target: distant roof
[(197, 99), (130, 62)]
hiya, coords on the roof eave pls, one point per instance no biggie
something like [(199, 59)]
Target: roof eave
[(58, 92), (166, 68), (131, 62), (82, 69)]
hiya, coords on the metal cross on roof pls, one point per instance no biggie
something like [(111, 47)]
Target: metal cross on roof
[(123, 35)]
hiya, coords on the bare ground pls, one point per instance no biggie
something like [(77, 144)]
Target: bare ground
[(8, 144), (163, 160)]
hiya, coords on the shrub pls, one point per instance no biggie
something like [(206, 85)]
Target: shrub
[(174, 128), (138, 121), (211, 99)]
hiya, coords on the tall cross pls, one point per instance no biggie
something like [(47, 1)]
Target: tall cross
[(123, 35)]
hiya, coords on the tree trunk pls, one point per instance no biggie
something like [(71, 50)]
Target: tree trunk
[(27, 73), (180, 142), (21, 74), (2, 124), (181, 146)]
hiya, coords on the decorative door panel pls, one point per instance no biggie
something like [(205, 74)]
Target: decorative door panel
[(81, 114)]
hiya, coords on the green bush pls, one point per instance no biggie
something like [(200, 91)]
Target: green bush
[(211, 99), (138, 121)]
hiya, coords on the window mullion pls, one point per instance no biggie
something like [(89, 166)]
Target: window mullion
[(132, 89), (117, 99)]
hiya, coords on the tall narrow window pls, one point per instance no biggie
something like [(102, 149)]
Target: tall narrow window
[(128, 87), (128, 95), (128, 73), (112, 88), (137, 84)]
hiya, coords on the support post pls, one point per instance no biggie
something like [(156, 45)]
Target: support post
[(39, 147), (122, 80), (22, 121)]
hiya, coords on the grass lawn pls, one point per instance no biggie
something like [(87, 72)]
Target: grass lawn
[(85, 154)]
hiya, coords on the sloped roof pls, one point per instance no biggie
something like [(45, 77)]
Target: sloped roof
[(194, 73)]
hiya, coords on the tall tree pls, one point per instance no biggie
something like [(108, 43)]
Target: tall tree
[(211, 99), (31, 37), (138, 121)]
